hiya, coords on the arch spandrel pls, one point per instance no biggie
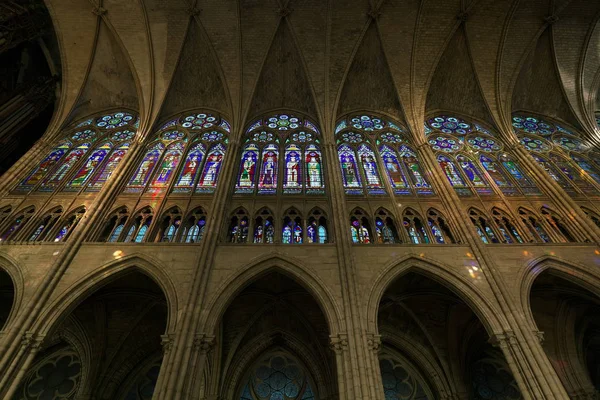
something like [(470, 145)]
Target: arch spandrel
[(77, 292), (245, 275), (479, 302)]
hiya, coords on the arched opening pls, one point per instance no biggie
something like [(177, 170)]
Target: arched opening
[(567, 314), (7, 297), (105, 346), (274, 341), (434, 345)]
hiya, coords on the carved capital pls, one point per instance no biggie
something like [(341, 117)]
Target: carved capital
[(551, 19), (503, 339), (166, 341), (204, 343), (539, 335), (339, 342), (32, 342), (99, 11), (373, 342)]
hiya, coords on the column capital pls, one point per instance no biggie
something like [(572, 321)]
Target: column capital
[(503, 339), (339, 342), (203, 342), (166, 341), (539, 335), (32, 342), (373, 341)]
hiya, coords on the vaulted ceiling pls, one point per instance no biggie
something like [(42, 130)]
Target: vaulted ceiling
[(406, 58)]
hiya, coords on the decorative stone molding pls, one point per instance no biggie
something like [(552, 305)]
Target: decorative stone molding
[(284, 11), (374, 13), (166, 341), (551, 19), (503, 339), (339, 342), (373, 342), (539, 335), (32, 342), (204, 343)]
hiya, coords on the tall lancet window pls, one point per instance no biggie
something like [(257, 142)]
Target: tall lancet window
[(86, 155), (567, 157), (281, 154), (185, 156), (376, 157), (474, 160)]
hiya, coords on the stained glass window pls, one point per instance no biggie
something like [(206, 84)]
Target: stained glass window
[(267, 180), (524, 182), (264, 231), (401, 381), (139, 227), (360, 228), (572, 173), (534, 144), (116, 120), (187, 176), (410, 161), (167, 167), (453, 175), (506, 227), (238, 227), (587, 166), (198, 121), (385, 228), (440, 229), (246, 182), (394, 170), (194, 227), (142, 174), (40, 172), (483, 227), (557, 225), (45, 225), (292, 178), (350, 176), (15, 226), (88, 168), (52, 181), (451, 125), (414, 227), (68, 227), (473, 174), (106, 170), (533, 125), (534, 226), (212, 167), (445, 143), (314, 169), (369, 167), (483, 143)]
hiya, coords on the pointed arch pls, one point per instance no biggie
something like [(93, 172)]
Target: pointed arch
[(109, 272), (415, 226), (238, 226), (258, 267), (12, 269), (360, 227), (45, 224), (264, 226), (488, 314), (507, 228), (575, 273), (441, 230)]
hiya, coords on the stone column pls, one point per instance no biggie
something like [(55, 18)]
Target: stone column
[(30, 345)]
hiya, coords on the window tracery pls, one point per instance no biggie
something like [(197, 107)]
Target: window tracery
[(194, 226), (400, 380), (592, 215), (292, 231), (534, 225), (557, 225), (170, 224), (264, 228), (483, 226), (506, 227), (561, 152), (360, 227), (474, 160), (17, 223), (115, 225), (137, 230), (69, 225), (370, 149), (185, 156), (415, 229), (386, 228), (238, 227), (105, 138), (316, 227), (281, 154), (440, 229), (45, 225)]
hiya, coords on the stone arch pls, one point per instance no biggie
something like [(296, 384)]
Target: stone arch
[(107, 273), (252, 271), (10, 267), (442, 274), (572, 272)]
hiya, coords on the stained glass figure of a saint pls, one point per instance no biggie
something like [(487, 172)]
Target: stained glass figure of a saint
[(72, 158), (314, 174), (293, 167), (268, 172), (93, 161), (190, 167), (248, 167), (107, 169), (393, 169), (212, 167), (349, 169), (45, 166), (142, 174)]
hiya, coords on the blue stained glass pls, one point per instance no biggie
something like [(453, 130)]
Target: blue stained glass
[(283, 122), (587, 167), (393, 169), (212, 167), (471, 171), (445, 144), (142, 174), (190, 167), (451, 125), (172, 135), (93, 161), (45, 166), (287, 235), (369, 165), (411, 162), (292, 178), (212, 136), (482, 236), (533, 125), (450, 171), (482, 143), (87, 134), (141, 233), (340, 126), (495, 172), (168, 165), (322, 234), (121, 136), (534, 144), (564, 130), (311, 126), (267, 182), (389, 137), (262, 136), (255, 125), (62, 233), (367, 123), (427, 129), (70, 160), (302, 137), (247, 172), (115, 120), (116, 233), (569, 143), (107, 169), (198, 121), (394, 126), (169, 124), (225, 126), (483, 130), (351, 137), (350, 176), (437, 233), (84, 123)]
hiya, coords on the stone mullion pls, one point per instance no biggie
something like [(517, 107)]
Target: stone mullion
[(357, 382), (10, 178), (530, 359), (584, 226), (182, 355), (27, 319)]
